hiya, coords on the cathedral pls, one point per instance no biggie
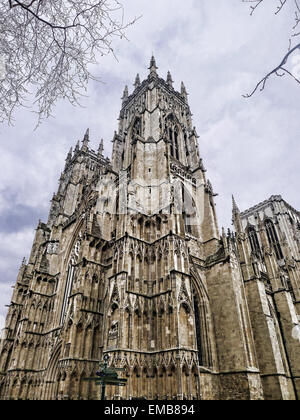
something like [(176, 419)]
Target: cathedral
[(131, 264)]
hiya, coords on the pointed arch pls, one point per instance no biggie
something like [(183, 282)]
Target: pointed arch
[(184, 322), (273, 238), (203, 330), (171, 382), (172, 129), (136, 127), (69, 269), (52, 374), (254, 241), (189, 211), (128, 326), (185, 376)]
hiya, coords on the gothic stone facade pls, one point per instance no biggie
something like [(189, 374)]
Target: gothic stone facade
[(131, 264)]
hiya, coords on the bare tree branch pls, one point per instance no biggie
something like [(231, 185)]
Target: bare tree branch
[(261, 84), (47, 47), (280, 70)]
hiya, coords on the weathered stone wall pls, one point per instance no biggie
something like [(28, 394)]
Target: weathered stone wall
[(131, 264)]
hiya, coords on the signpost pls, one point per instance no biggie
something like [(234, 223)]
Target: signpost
[(107, 376)]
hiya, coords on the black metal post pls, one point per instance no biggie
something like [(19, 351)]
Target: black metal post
[(103, 392), (106, 359)]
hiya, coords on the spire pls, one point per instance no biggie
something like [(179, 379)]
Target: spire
[(86, 140), (153, 67), (137, 81), (69, 156), (22, 269), (101, 148), (76, 147), (125, 95), (169, 79), (235, 209), (183, 91), (236, 216)]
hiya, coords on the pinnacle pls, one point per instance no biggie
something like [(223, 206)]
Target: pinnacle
[(86, 140), (69, 156), (125, 94), (184, 92), (101, 148), (235, 208), (153, 61), (87, 135), (169, 79), (137, 81), (153, 67)]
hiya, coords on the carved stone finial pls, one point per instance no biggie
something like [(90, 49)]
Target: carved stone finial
[(137, 82), (169, 79), (101, 148), (125, 95), (235, 209), (86, 140), (69, 156), (153, 68), (183, 91)]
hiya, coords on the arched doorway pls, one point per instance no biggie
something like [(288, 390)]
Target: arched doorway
[(52, 375)]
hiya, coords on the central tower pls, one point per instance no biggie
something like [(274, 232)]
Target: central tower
[(159, 319)]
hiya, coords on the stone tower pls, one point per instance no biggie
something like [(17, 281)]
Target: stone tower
[(131, 264), (268, 240)]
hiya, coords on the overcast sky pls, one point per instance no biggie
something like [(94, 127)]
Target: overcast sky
[(250, 147)]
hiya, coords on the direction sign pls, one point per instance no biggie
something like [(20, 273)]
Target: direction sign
[(114, 383), (112, 379), (107, 376), (113, 370), (102, 365)]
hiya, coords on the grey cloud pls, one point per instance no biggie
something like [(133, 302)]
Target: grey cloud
[(19, 216)]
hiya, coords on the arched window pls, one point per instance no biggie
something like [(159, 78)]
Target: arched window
[(173, 136), (68, 290), (202, 329), (186, 144), (253, 239), (137, 128), (273, 239), (184, 313), (198, 330), (187, 223), (189, 212)]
